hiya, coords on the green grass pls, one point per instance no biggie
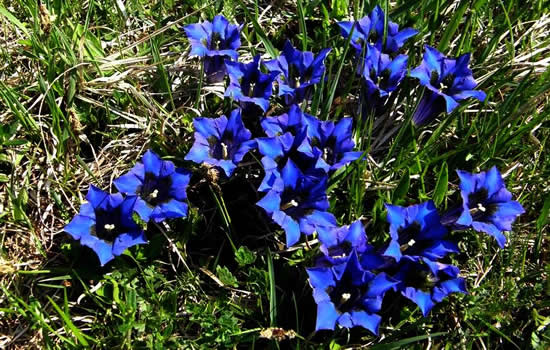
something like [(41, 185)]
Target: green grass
[(87, 86)]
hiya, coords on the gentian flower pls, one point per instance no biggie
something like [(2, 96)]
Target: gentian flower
[(381, 75), (221, 142), (293, 121), (348, 295), (105, 224), (447, 81), (335, 144), (487, 205), (370, 29), (248, 85), (298, 203), (416, 232), (299, 72), (426, 282), (160, 187), (279, 149), (214, 42), (340, 243)]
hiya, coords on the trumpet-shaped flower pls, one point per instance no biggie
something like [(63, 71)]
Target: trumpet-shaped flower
[(348, 295), (370, 29), (248, 85), (105, 224), (221, 142), (335, 144), (448, 81), (293, 121), (298, 71), (340, 243), (298, 203), (487, 205), (160, 188), (214, 42), (427, 282), (279, 149), (416, 232), (381, 75)]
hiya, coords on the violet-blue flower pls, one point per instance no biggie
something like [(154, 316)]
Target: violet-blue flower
[(214, 41), (335, 144), (341, 242), (279, 149), (105, 224), (248, 85), (160, 187), (487, 205), (299, 72), (416, 232), (298, 203), (370, 29), (381, 75), (221, 142), (293, 121), (427, 282), (348, 295), (448, 81)]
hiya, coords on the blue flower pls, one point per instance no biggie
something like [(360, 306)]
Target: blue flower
[(160, 188), (221, 142), (381, 75), (487, 205), (317, 145), (248, 84), (105, 224), (299, 72), (293, 121), (416, 232), (298, 203), (370, 29), (279, 149), (340, 243), (348, 295), (447, 80), (335, 144), (214, 41), (427, 282)]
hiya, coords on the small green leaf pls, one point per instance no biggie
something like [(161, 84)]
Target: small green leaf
[(442, 185), (226, 276), (244, 256), (402, 187)]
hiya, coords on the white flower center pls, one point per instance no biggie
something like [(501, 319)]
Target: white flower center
[(109, 227), (154, 194), (481, 207), (225, 153), (345, 297), (290, 204)]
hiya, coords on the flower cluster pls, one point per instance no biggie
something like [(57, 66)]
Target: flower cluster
[(298, 154), (154, 189), (351, 278)]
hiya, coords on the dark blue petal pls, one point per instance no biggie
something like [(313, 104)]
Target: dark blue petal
[(271, 202), (127, 240), (96, 197), (128, 183), (152, 163), (420, 298), (79, 226), (320, 278), (491, 230), (365, 320), (326, 316)]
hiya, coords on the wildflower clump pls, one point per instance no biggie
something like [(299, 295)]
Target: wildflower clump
[(301, 156)]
